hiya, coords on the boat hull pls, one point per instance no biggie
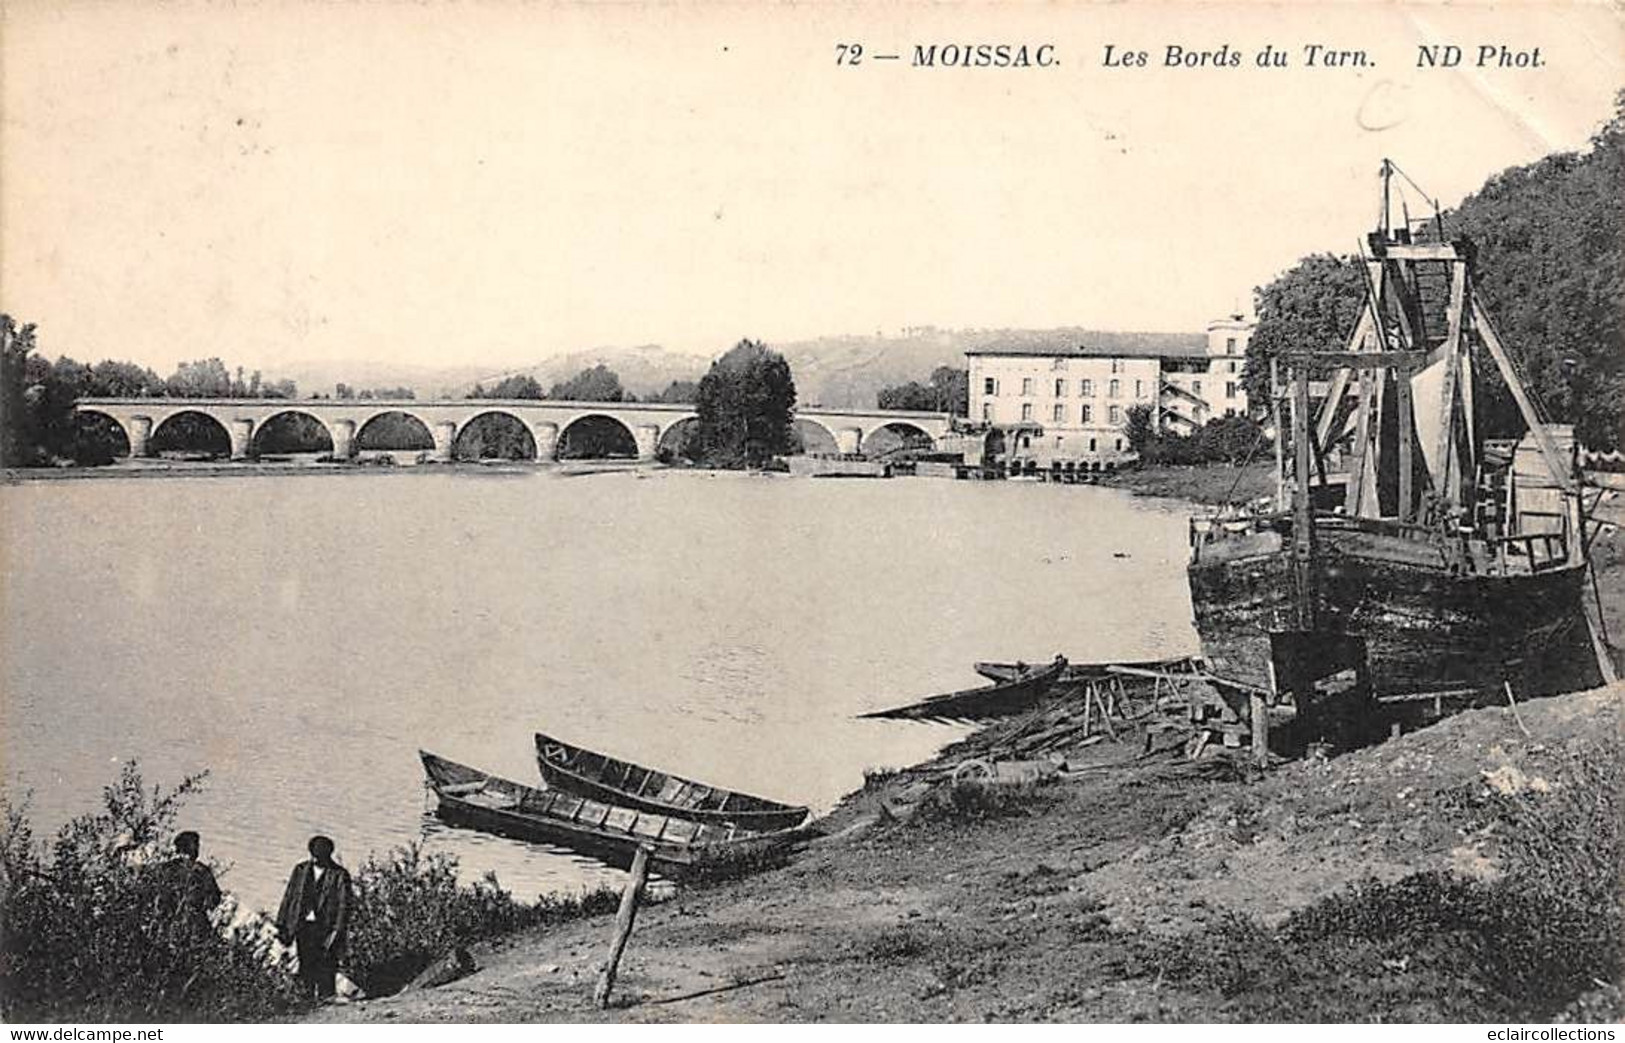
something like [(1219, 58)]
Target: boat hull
[(575, 769), (996, 700), (469, 797), (1409, 626)]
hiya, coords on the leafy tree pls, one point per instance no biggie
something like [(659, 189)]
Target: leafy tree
[(746, 405), (947, 391), (680, 392), (1550, 239), (205, 378), (597, 384), (1140, 428), (1311, 307), (109, 379), (517, 386), (17, 438)]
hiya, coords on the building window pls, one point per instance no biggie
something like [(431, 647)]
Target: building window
[(1119, 445), (1088, 413), (1196, 387), (1058, 363), (1117, 365), (1139, 389), (1230, 412), (1231, 365), (1116, 415), (987, 411), (1087, 388), (1060, 388), (1230, 389), (990, 386), (1026, 411), (1114, 389), (1230, 346), (1026, 385), (1091, 445), (1059, 413)]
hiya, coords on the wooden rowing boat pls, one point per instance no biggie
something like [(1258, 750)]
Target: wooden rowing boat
[(1180, 665), (996, 700), (575, 769), (470, 797)]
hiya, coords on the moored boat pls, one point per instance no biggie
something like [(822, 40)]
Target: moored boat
[(470, 797), (575, 769), (1018, 693), (1428, 566), (1179, 665)]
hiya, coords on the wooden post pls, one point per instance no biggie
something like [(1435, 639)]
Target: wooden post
[(1260, 714), (1280, 435), (1303, 516), (623, 926), (1543, 438), (1407, 421)]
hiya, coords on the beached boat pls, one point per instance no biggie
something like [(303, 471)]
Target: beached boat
[(470, 797), (1178, 665), (1014, 695), (575, 769), (1428, 565)]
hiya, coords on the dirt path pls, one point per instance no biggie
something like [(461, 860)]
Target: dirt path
[(1066, 909)]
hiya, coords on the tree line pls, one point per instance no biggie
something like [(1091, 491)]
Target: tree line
[(1549, 239), (594, 384), (745, 406), (38, 425)]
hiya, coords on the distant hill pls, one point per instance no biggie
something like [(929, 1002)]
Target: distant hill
[(840, 372)]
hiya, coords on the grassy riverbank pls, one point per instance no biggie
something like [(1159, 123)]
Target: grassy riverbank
[(1207, 484), (1464, 872)]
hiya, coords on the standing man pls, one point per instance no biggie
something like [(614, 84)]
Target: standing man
[(315, 917), (193, 891)]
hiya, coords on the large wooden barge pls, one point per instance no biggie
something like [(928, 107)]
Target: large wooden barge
[(1400, 560)]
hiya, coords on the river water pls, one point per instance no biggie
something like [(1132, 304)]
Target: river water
[(301, 637)]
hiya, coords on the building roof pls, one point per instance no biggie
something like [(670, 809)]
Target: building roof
[(1080, 343)]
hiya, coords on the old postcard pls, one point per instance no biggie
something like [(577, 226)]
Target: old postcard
[(706, 512)]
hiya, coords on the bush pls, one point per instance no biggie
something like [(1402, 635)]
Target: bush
[(89, 932), (970, 801), (410, 911)]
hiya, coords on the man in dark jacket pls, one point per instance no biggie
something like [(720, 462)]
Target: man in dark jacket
[(193, 891), (315, 917)]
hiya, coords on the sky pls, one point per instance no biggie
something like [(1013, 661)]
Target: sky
[(440, 183)]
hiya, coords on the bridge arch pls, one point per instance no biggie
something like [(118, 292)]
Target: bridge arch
[(814, 436), (100, 436), (679, 440), (190, 432), (895, 435), (393, 430), (494, 434), (597, 436), (292, 430)]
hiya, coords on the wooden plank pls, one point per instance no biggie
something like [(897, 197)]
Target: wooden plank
[(1422, 252), (1260, 722), (1362, 444), (1407, 434), (1360, 360), (1280, 442), (1302, 527), (1444, 447), (1543, 437)]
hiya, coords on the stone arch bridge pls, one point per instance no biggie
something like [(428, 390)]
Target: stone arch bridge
[(647, 423)]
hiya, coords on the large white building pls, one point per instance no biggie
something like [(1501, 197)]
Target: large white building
[(1068, 402)]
